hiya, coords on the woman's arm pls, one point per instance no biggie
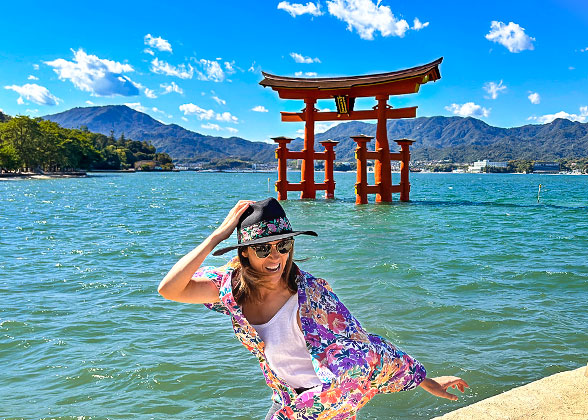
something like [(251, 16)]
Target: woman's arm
[(438, 386), (178, 284)]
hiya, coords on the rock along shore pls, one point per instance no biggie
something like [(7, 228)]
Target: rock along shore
[(563, 396)]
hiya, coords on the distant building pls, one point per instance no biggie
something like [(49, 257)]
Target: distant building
[(546, 167), (481, 165), (144, 164)]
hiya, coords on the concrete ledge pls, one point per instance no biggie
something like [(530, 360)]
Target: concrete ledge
[(563, 396)]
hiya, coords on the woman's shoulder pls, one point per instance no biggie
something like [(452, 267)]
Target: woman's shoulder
[(218, 274), (309, 280)]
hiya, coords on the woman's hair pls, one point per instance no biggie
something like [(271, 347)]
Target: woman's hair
[(248, 282)]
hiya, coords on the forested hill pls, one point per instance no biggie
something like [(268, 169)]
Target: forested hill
[(181, 144), (469, 139), (455, 138)]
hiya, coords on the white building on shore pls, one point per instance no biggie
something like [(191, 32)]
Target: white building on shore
[(480, 166)]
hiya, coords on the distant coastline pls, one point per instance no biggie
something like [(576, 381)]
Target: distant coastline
[(83, 174)]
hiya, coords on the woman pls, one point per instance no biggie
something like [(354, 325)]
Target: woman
[(316, 357)]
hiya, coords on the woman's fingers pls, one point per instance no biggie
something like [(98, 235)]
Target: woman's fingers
[(446, 382)]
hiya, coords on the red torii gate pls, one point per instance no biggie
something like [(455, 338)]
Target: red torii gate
[(345, 90)]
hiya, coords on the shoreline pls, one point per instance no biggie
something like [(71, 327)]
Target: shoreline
[(559, 396), (45, 175)]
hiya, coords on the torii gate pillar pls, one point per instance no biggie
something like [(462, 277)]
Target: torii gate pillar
[(307, 169), (382, 167)]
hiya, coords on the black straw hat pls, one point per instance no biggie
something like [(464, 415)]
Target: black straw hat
[(263, 221)]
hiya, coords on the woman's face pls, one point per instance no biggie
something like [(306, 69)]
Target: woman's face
[(271, 266)]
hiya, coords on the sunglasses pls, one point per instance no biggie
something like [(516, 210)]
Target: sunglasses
[(263, 250)]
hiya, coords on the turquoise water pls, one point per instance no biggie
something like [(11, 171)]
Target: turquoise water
[(473, 277)]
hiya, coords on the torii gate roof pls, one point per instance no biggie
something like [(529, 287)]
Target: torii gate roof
[(391, 83)]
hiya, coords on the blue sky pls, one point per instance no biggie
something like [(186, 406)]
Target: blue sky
[(198, 64)]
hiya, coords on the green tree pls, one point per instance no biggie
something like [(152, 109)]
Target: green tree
[(50, 146), (163, 158), (520, 166), (24, 134), (111, 158), (9, 158)]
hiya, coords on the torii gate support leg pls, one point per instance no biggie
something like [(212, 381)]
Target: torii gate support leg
[(360, 154), (329, 146), (282, 156), (404, 168)]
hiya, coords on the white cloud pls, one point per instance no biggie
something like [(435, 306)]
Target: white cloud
[(210, 126), (512, 36), (259, 108), (207, 114), (584, 49), (299, 58), (172, 87), (367, 17), (36, 66), (31, 111), (201, 113), (307, 74), (322, 127), (418, 25), (212, 71), (227, 117), (31, 77), (136, 106), (148, 51), (34, 93), (182, 71), (534, 98), (155, 109), (297, 9), (150, 94), (252, 68), (90, 103), (231, 130), (159, 43), (185, 119), (319, 128), (219, 100), (230, 67), (571, 68), (468, 109), (101, 77), (494, 88), (581, 117)]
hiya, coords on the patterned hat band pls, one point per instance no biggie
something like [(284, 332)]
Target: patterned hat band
[(264, 229)]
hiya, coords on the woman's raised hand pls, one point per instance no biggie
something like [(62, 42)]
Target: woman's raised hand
[(178, 285), (438, 386), (230, 223)]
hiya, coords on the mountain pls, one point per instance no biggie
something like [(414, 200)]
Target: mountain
[(455, 138), (179, 143), (468, 139)]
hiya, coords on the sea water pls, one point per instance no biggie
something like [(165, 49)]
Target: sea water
[(475, 277)]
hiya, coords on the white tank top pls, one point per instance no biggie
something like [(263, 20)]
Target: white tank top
[(285, 347)]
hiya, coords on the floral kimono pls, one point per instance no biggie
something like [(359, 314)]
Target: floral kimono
[(352, 364)]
